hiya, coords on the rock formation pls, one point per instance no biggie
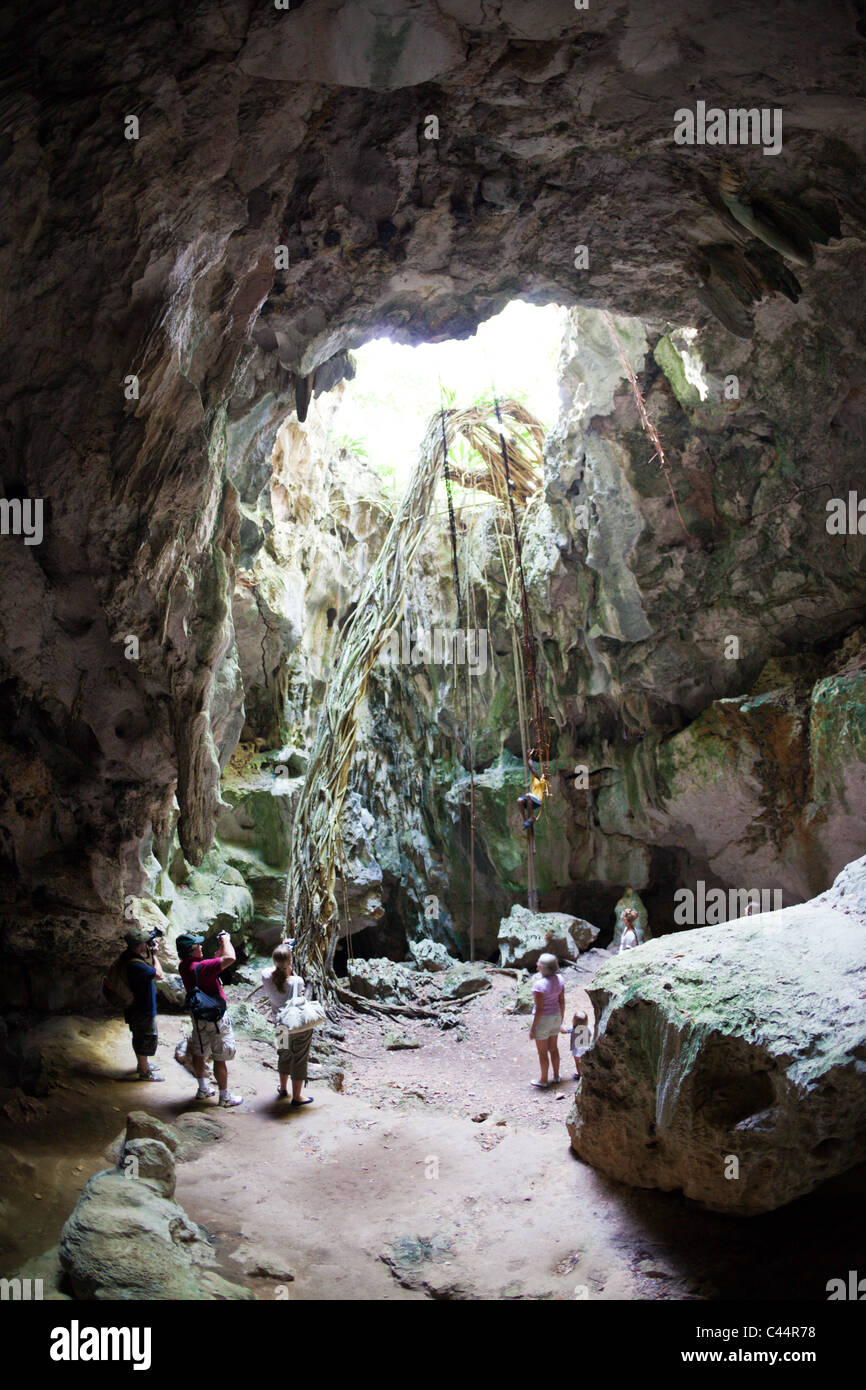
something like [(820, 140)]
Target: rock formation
[(525, 935), (728, 1061), (206, 210), (127, 1238)]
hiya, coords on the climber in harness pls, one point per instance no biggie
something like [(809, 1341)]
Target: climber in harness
[(531, 802)]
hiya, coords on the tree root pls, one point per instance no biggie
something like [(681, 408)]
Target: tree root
[(373, 1006)]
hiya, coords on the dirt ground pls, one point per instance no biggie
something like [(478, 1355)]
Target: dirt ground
[(438, 1172)]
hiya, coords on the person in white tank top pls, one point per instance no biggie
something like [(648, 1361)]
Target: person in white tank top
[(278, 984)]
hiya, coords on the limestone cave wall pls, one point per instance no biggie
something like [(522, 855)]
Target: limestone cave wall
[(206, 208)]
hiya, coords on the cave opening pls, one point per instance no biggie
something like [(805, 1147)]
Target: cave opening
[(363, 437), (266, 671)]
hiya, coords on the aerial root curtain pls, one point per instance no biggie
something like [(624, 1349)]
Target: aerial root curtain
[(311, 906)]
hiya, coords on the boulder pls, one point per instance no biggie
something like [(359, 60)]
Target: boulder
[(728, 1059), (247, 1019), (430, 955), (141, 1125), (46, 1278), (464, 979), (151, 1161), (126, 1241), (631, 899), (171, 994), (525, 935), (521, 1002), (196, 1131), (381, 979)]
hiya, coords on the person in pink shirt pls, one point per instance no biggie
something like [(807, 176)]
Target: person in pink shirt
[(211, 1038), (548, 992)]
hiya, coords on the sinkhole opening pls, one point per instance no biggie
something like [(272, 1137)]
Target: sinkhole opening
[(384, 410), (347, 470)]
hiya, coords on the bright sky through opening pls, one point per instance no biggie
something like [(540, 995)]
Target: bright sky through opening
[(396, 389)]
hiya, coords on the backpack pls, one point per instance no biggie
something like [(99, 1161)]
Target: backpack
[(115, 985), (207, 1008)]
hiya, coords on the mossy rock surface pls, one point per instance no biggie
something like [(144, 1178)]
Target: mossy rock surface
[(739, 1039)]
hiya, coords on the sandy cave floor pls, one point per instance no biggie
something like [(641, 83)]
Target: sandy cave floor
[(398, 1189)]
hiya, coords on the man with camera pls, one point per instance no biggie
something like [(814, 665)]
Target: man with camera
[(142, 971), (212, 1035)]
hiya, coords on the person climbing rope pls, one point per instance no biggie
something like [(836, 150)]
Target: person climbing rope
[(533, 800)]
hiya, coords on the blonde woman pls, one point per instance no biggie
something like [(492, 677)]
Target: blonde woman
[(278, 984), (548, 992)]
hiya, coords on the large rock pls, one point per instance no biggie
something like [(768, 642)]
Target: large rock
[(525, 935), (150, 1160), (431, 955), (729, 1060), (381, 979), (141, 1125), (126, 1241), (464, 979)]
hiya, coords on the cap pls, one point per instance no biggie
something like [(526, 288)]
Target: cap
[(136, 936), (186, 942)]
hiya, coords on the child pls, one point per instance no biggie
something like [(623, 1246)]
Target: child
[(581, 1039)]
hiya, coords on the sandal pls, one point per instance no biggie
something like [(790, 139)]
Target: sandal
[(307, 1100), (540, 1085), (149, 1076)]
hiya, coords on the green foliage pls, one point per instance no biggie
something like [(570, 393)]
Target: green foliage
[(350, 445)]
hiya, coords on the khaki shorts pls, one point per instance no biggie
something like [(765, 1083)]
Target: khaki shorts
[(214, 1040), (548, 1026), (292, 1059)]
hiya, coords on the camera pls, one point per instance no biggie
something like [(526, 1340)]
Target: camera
[(155, 934)]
